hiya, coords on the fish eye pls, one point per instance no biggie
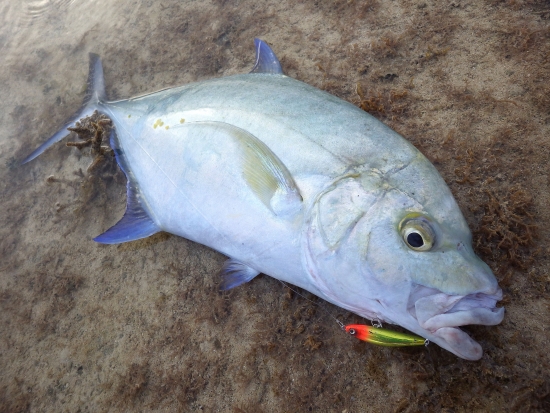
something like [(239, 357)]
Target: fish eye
[(417, 233), (415, 240)]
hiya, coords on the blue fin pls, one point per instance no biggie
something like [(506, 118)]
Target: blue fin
[(136, 222), (95, 93), (235, 273), (266, 61)]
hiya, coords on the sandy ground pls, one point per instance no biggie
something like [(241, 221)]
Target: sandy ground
[(142, 327)]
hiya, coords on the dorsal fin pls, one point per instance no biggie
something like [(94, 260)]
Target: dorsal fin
[(136, 222), (266, 61)]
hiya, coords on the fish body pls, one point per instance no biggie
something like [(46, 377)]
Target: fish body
[(290, 181)]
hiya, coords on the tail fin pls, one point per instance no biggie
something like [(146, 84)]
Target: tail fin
[(95, 93)]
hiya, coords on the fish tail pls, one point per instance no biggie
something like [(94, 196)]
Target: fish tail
[(95, 94)]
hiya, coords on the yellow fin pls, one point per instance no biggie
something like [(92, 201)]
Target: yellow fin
[(263, 171)]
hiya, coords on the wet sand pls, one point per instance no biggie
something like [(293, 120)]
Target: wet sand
[(142, 327)]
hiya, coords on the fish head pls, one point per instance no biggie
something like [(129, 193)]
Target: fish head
[(396, 248)]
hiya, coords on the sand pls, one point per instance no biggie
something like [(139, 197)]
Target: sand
[(142, 327)]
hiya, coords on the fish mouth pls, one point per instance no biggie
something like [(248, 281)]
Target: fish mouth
[(442, 315)]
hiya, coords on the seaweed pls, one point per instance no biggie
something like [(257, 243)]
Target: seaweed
[(388, 104), (505, 227), (93, 130), (387, 46), (133, 384)]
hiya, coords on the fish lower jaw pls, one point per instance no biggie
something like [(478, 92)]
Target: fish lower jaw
[(459, 343), (447, 328)]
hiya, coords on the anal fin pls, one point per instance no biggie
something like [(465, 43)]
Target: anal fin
[(235, 273), (136, 222), (134, 225)]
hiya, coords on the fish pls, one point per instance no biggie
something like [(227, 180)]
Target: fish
[(292, 182)]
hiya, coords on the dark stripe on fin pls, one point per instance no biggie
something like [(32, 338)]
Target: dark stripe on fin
[(136, 222), (95, 93), (235, 273), (266, 61)]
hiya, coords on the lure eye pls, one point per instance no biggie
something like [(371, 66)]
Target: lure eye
[(352, 331), (417, 233)]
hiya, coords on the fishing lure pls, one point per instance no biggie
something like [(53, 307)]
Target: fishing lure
[(383, 337)]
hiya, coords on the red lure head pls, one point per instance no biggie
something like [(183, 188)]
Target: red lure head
[(359, 331)]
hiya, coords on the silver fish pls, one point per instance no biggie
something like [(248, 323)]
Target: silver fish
[(290, 181)]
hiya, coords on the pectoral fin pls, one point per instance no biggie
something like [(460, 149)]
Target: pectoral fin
[(235, 273), (265, 174), (268, 177)]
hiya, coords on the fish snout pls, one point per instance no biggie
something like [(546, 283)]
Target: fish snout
[(477, 275)]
